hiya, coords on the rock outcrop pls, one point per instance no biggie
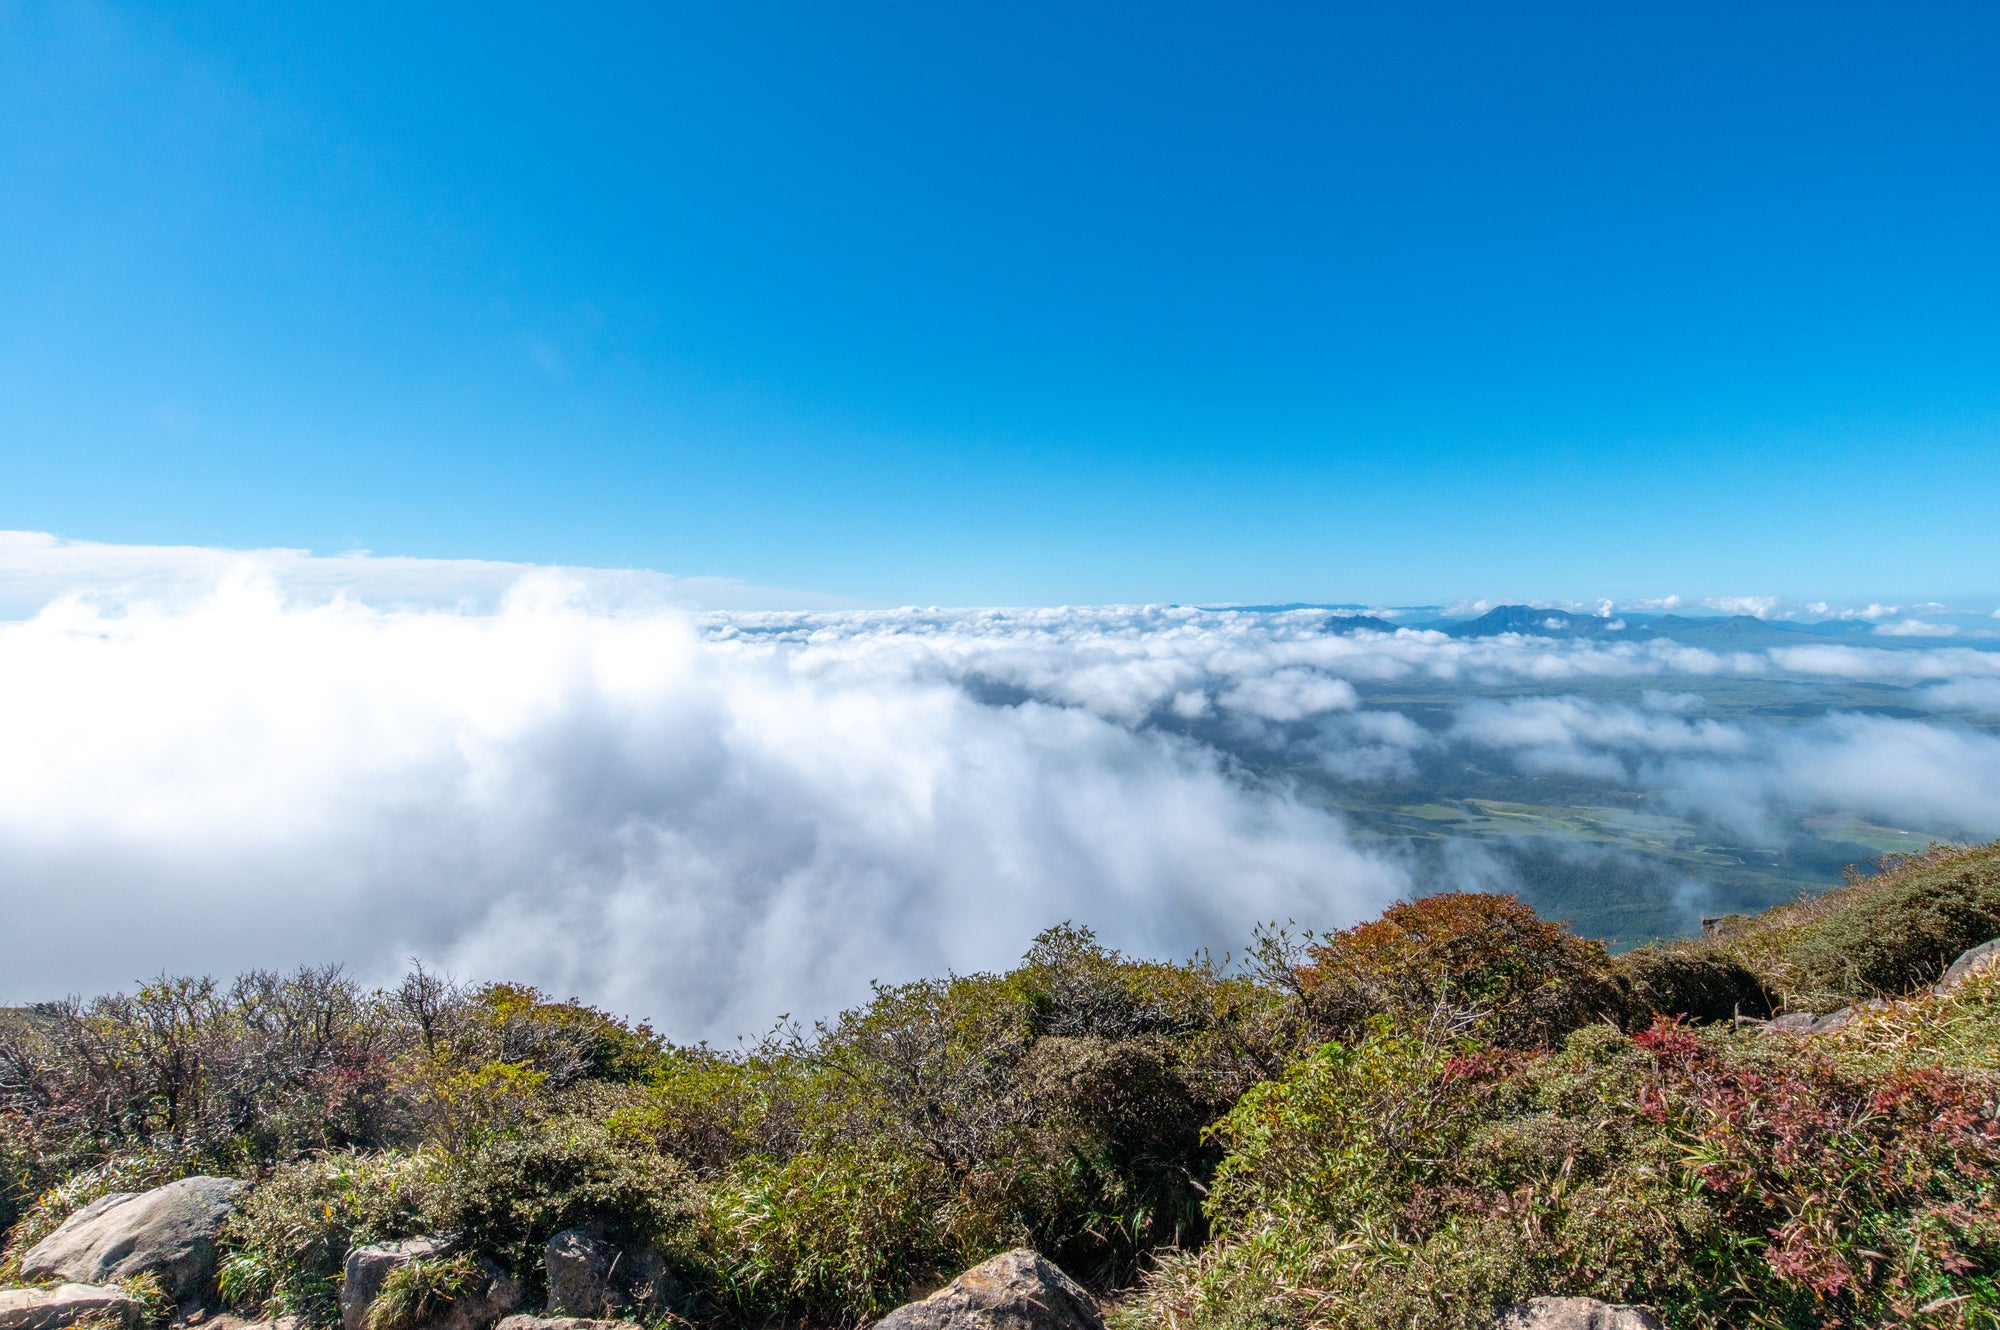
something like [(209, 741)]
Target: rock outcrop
[(1575, 1314), (367, 1268), (563, 1323), (53, 1308), (1969, 963), (1014, 1291), (589, 1275), (168, 1233)]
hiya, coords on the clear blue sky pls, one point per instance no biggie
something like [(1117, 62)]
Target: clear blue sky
[(1021, 303)]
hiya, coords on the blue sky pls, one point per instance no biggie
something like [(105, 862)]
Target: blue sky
[(1021, 304)]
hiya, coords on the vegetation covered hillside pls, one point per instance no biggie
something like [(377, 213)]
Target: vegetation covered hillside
[(1404, 1123)]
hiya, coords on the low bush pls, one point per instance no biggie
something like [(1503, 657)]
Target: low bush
[(1885, 934), (1691, 979), (511, 1194), (828, 1236), (1730, 1181)]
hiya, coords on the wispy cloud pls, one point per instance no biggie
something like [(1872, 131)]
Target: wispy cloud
[(37, 568)]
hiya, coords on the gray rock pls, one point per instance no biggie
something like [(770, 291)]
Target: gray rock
[(563, 1323), (53, 1308), (1015, 1291), (591, 1276), (367, 1267), (1575, 1314), (579, 1265), (1968, 964), (1806, 1023), (168, 1232)]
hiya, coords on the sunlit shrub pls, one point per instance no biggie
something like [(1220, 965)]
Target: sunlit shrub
[(828, 1237), (1526, 981), (508, 1196), (420, 1291), (1728, 1180)]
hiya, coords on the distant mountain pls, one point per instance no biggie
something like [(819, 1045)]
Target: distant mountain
[(1354, 623), (1721, 632), (1528, 620)]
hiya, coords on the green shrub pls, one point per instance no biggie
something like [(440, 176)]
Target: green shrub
[(826, 1237), (145, 1289), (708, 1111), (510, 1195), (284, 1247), (1726, 1179)]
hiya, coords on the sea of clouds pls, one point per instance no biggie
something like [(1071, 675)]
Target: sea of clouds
[(711, 816)]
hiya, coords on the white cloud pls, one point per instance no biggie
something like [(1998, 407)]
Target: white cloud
[(1976, 695), (1904, 773), (1575, 737), (698, 825), (1762, 607), (1915, 628), (1290, 694)]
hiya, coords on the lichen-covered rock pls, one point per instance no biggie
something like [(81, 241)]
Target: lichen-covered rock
[(1575, 1314), (1969, 963), (1014, 1291), (54, 1308), (168, 1233)]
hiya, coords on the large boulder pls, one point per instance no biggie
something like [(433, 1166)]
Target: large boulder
[(53, 1308), (168, 1233), (368, 1267), (1575, 1314), (1969, 963), (1014, 1291), (589, 1275)]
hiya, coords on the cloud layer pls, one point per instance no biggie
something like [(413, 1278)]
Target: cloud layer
[(711, 818), (608, 803)]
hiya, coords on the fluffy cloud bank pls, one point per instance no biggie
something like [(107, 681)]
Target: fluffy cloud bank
[(210, 761), (610, 803)]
